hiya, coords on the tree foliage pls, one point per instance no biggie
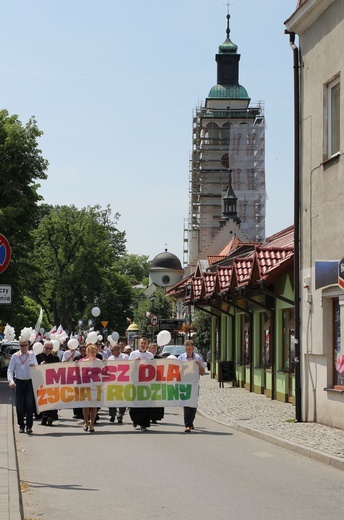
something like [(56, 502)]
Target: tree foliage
[(157, 304), (21, 166), (135, 267), (73, 260), (201, 322)]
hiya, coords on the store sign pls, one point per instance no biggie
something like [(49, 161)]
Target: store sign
[(170, 325), (5, 294), (341, 273)]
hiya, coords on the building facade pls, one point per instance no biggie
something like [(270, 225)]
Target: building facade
[(319, 25), (228, 149)]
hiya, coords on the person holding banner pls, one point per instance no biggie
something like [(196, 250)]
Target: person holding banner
[(156, 414), (90, 414), (190, 355), (19, 377), (116, 355), (47, 356), (141, 416)]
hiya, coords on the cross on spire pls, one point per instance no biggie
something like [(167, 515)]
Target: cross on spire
[(228, 18)]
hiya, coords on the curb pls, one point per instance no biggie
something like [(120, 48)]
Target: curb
[(310, 453), (15, 497)]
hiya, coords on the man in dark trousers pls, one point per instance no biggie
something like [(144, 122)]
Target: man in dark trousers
[(19, 377), (156, 414), (141, 416), (190, 355), (47, 356)]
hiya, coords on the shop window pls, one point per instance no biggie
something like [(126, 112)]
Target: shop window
[(245, 339), (264, 340), (338, 369), (288, 341)]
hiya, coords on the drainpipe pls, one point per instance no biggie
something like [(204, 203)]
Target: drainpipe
[(297, 235)]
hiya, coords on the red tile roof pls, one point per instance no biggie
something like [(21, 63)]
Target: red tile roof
[(223, 278), (214, 259), (284, 238), (209, 284), (266, 262), (242, 270), (197, 283), (269, 259), (179, 287)]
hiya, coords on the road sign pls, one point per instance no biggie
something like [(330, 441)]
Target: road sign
[(170, 325), (154, 320), (5, 294), (104, 323), (341, 273), (5, 253)]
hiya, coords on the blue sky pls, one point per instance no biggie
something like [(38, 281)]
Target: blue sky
[(113, 86)]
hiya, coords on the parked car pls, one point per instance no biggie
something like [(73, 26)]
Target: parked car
[(166, 351), (180, 349), (10, 348)]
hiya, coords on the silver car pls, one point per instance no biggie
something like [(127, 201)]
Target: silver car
[(7, 349)]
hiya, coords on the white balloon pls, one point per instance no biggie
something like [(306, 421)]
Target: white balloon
[(163, 338), (112, 341), (63, 336), (73, 344), (56, 345), (95, 312), (92, 337), (37, 348), (115, 336), (100, 337), (171, 356), (41, 331)]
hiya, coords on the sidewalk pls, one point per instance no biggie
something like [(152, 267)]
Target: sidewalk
[(10, 496), (270, 420), (235, 407)]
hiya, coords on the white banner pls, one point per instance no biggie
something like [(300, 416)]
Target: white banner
[(141, 383)]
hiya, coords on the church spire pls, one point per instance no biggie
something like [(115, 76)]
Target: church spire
[(230, 204), (228, 61)]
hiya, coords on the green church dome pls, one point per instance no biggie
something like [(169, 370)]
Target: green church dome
[(228, 47), (228, 92)]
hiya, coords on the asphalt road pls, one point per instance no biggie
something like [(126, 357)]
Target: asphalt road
[(167, 474)]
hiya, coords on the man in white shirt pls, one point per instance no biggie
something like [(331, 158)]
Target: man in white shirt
[(116, 355), (19, 377), (70, 355), (141, 416), (190, 355)]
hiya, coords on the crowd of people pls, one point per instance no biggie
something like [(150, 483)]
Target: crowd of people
[(19, 377)]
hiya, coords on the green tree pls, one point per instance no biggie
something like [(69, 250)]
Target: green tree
[(135, 267), (28, 314), (157, 304), (75, 251), (114, 301), (201, 321), (21, 166)]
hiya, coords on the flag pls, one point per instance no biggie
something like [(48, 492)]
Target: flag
[(39, 321), (60, 329), (53, 330)]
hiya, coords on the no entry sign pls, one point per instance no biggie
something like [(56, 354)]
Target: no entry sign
[(5, 253)]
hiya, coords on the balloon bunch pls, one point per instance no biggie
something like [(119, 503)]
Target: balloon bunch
[(113, 338)]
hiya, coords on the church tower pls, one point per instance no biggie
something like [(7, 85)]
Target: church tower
[(227, 142)]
